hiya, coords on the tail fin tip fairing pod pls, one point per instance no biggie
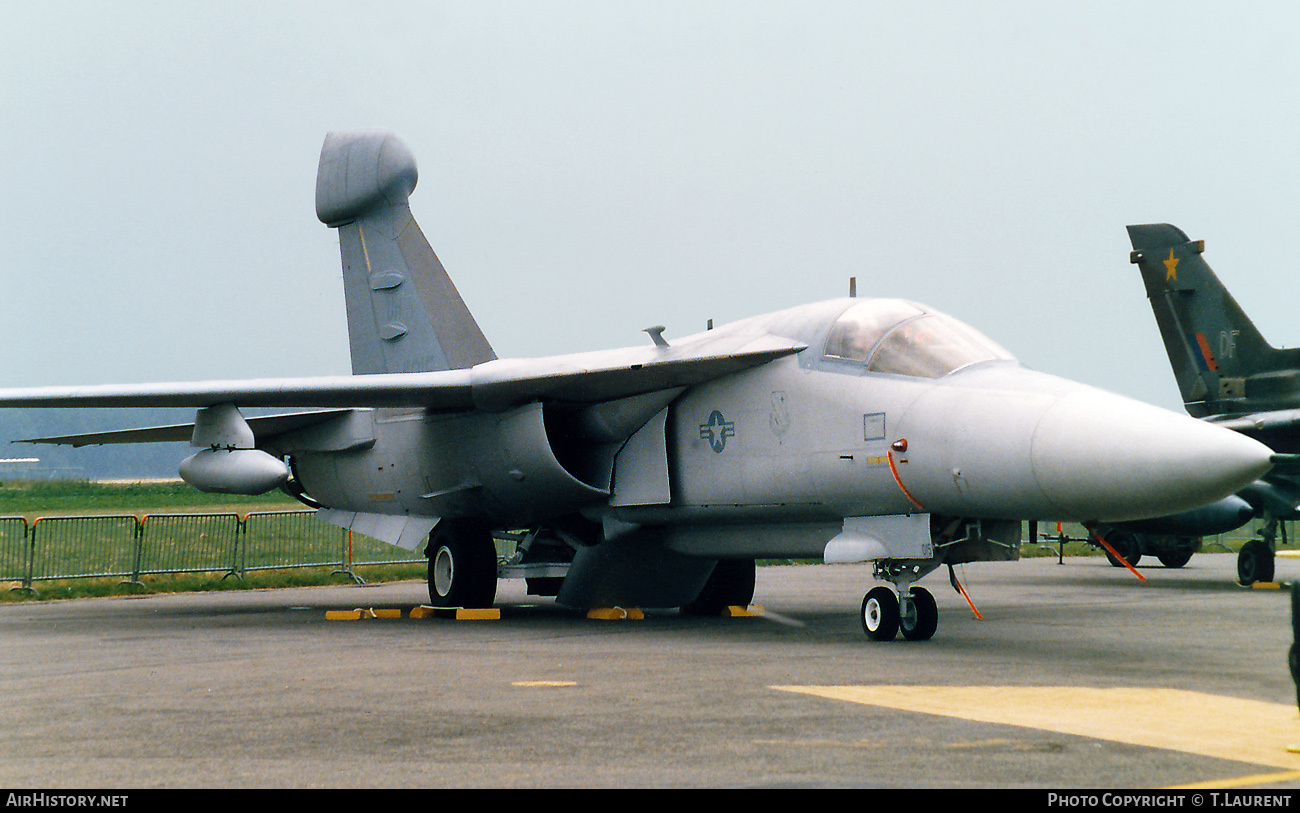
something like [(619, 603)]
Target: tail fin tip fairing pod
[(655, 474), (404, 313)]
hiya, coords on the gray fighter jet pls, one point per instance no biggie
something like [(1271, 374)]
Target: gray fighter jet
[(853, 430), (1227, 374)]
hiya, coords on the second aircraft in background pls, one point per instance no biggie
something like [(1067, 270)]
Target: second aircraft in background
[(1227, 373)]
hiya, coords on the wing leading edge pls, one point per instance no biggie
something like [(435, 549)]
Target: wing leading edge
[(492, 386)]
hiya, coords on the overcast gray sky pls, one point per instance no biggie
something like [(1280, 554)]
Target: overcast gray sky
[(591, 168)]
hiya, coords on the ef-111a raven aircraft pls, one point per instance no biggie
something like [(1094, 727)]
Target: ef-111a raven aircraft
[(853, 430), (1227, 373)]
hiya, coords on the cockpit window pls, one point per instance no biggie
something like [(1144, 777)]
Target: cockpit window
[(857, 332), (897, 337)]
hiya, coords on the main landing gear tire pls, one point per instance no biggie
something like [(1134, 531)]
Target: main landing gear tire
[(462, 566), (1255, 562), (731, 584), (918, 615), (880, 615), (1126, 545), (1175, 558)]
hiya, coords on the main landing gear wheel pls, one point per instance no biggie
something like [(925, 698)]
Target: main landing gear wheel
[(880, 615), (1255, 562), (1175, 558), (1126, 545), (462, 566), (918, 615)]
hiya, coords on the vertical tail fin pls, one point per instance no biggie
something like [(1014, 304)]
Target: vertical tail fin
[(1222, 363), (404, 312)]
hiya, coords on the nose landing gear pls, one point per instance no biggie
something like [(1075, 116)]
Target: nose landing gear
[(912, 611)]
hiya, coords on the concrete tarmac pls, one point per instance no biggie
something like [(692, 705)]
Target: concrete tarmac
[(1077, 676)]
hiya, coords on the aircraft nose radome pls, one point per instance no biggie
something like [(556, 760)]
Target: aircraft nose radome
[(1106, 457)]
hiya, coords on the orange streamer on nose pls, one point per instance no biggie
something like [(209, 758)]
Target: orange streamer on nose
[(894, 471)]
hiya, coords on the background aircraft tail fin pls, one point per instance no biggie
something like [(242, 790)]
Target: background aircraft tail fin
[(1222, 363), (404, 312)]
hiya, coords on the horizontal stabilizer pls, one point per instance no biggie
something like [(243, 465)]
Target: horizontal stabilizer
[(1257, 423), (264, 427)]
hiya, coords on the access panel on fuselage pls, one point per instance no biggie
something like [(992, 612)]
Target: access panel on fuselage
[(794, 440)]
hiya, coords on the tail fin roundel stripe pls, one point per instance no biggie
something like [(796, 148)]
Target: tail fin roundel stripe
[(1208, 363), (404, 313)]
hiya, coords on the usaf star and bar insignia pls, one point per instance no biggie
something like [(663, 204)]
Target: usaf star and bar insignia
[(716, 431)]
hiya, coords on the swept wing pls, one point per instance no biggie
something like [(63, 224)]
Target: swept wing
[(493, 386)]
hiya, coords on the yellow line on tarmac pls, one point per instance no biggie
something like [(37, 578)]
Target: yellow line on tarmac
[(1253, 781), (1191, 722), (543, 684)]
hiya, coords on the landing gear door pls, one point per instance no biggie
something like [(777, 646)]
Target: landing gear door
[(864, 539), (641, 466)]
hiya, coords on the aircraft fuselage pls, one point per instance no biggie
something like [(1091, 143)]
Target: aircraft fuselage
[(782, 454)]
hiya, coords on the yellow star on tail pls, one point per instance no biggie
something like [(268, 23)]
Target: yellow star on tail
[(1171, 267)]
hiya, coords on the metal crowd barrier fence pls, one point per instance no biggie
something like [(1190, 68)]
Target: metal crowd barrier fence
[(128, 547), (83, 547), (189, 543), (294, 536), (13, 549)]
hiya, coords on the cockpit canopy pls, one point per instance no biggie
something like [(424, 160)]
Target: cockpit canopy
[(903, 338)]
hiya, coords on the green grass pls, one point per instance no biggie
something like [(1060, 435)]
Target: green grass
[(33, 499)]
